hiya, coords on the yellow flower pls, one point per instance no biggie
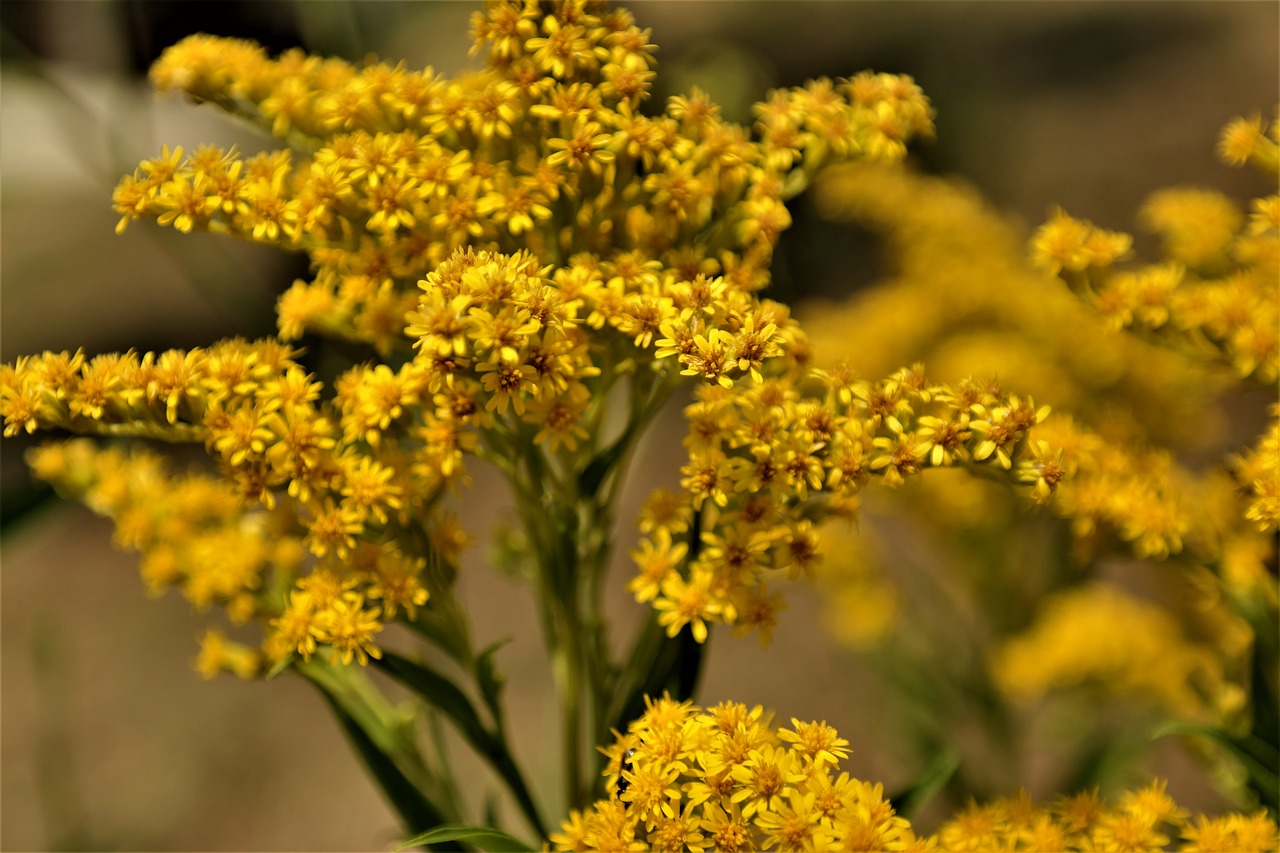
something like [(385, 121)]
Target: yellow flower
[(818, 742), (795, 825), (687, 603), (507, 384), (1240, 138), (1197, 226), (560, 418), (349, 627), (367, 489), (585, 148), (657, 558), (1231, 832), (218, 655), (765, 779)]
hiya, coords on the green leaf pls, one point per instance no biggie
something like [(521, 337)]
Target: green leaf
[(479, 836), (490, 680), (435, 628), (684, 681), (931, 780), (1258, 757), (658, 663), (592, 477), (490, 810), (449, 699), (279, 667), (414, 808), (442, 694)]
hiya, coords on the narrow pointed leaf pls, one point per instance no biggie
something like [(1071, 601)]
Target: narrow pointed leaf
[(482, 837), (415, 810), (1258, 757), (490, 680), (449, 699), (915, 796), (442, 694)]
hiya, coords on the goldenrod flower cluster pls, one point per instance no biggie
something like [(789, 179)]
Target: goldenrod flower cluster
[(1095, 634), (533, 259), (1215, 291), (1140, 495), (545, 151), (510, 240), (194, 533), (188, 527), (343, 488), (962, 294), (769, 462), (725, 778), (959, 295), (1215, 294), (1143, 819), (1258, 471), (1161, 509)]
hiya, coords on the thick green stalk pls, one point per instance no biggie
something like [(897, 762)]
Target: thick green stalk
[(384, 744)]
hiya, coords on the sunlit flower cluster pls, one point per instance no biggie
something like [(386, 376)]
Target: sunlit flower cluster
[(512, 241), (725, 778), (522, 264), (1144, 819), (546, 151), (259, 413), (769, 462), (193, 534)]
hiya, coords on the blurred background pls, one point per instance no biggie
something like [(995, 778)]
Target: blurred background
[(110, 740)]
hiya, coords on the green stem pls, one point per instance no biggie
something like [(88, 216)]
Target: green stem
[(649, 393), (568, 672), (551, 524), (384, 745)]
